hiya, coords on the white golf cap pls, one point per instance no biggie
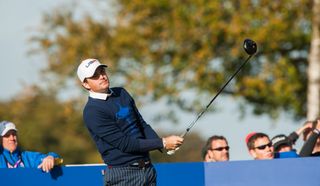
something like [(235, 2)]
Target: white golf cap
[(5, 126), (87, 68)]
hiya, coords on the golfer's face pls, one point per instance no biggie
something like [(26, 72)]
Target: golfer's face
[(99, 82), (10, 141)]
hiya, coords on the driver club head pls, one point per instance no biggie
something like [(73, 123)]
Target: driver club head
[(250, 46)]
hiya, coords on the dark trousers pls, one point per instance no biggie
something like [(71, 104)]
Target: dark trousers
[(127, 176)]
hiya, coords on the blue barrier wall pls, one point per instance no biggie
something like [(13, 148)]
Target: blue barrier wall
[(180, 174), (287, 172), (60, 176), (291, 172)]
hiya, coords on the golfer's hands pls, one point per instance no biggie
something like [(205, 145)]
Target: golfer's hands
[(172, 142), (47, 164)]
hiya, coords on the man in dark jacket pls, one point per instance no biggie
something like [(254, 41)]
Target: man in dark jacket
[(122, 136)]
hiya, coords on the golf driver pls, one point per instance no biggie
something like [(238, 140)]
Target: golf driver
[(251, 48)]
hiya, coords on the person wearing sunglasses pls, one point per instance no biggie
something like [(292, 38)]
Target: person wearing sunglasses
[(216, 149), (259, 146)]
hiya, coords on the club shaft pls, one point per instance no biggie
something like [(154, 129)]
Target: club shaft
[(221, 89)]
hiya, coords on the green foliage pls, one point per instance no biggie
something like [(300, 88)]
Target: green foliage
[(162, 48)]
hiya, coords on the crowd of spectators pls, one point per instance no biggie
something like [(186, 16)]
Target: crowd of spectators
[(261, 146)]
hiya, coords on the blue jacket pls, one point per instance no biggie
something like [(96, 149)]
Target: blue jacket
[(289, 154), (29, 159)]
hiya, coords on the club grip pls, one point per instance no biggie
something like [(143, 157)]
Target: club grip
[(171, 152), (58, 161)]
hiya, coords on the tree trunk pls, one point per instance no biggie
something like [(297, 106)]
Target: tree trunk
[(313, 99)]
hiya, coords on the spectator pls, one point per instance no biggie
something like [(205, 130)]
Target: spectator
[(11, 156), (259, 146), (122, 136), (302, 130), (216, 149), (283, 147), (311, 147)]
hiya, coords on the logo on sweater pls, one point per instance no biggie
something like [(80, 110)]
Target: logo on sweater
[(125, 114)]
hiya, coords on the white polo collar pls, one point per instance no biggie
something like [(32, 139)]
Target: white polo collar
[(102, 96)]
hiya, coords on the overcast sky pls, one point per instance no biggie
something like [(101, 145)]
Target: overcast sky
[(19, 20)]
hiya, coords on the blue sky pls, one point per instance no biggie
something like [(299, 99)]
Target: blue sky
[(20, 19)]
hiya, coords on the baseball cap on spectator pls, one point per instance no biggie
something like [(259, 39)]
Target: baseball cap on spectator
[(249, 136), (87, 68), (279, 140), (5, 126)]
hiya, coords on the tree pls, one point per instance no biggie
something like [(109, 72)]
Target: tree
[(165, 48), (314, 65)]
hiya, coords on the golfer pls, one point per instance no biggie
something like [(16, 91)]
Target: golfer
[(122, 136)]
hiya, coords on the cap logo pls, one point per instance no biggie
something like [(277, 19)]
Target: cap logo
[(90, 62), (276, 140)]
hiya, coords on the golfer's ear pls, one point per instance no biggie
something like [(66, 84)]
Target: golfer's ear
[(86, 85)]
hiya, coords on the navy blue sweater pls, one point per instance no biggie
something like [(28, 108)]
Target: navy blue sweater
[(118, 129)]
